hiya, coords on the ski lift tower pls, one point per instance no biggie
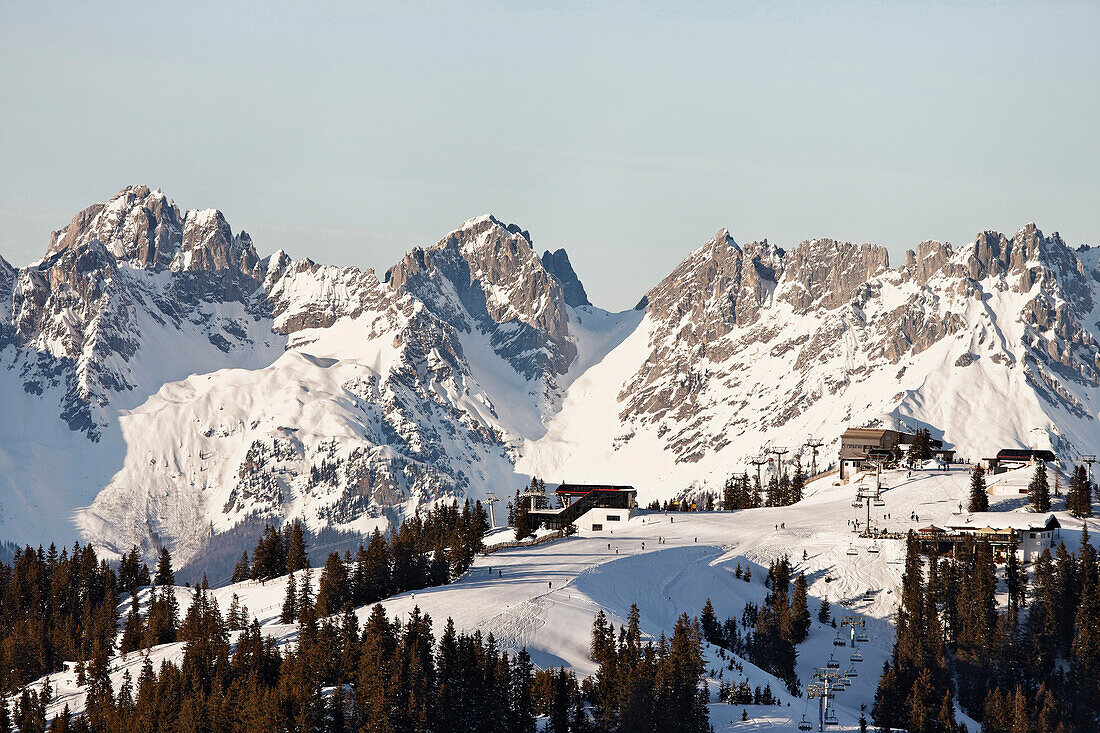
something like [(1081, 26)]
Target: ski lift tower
[(758, 461), (491, 499), (813, 443), (853, 622), (779, 451), (823, 686), (1088, 460)]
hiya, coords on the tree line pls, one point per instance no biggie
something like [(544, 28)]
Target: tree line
[(1031, 665), (742, 492), (385, 676)]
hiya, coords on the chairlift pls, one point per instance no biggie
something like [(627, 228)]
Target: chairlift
[(838, 641), (805, 724), (873, 549), (857, 505), (862, 638), (857, 656), (879, 502), (851, 672), (852, 550), (832, 663), (831, 720)]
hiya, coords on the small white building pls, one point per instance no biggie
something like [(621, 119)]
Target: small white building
[(600, 519), (1034, 532)]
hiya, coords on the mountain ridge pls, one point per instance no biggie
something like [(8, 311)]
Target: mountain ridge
[(171, 383)]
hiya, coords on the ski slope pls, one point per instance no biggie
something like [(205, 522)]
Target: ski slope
[(544, 598)]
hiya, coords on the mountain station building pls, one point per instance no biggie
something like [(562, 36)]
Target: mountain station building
[(592, 507)]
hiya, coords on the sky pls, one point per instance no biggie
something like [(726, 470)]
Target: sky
[(626, 133)]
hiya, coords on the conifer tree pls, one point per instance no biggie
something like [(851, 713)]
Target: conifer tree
[(979, 499), (824, 613), (798, 485), (165, 576), (296, 558), (709, 621), (774, 497), (290, 601), (332, 593), (524, 526), (305, 594), (241, 569), (1079, 499), (800, 611), (1038, 491)]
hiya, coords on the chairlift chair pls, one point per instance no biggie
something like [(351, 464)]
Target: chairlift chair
[(831, 720), (852, 550), (805, 724), (873, 549), (838, 641), (857, 656), (862, 638), (879, 502), (851, 672), (857, 505), (832, 663)]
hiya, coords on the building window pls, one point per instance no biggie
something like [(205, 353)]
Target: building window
[(597, 527), (612, 517)]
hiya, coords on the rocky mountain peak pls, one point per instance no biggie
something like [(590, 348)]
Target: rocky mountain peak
[(828, 273), (144, 228), (557, 264), (502, 288)]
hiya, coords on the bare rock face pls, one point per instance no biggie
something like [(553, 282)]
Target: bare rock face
[(557, 264), (144, 229), (486, 276), (929, 259), (828, 273)]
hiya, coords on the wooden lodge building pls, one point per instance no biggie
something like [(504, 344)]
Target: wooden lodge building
[(858, 446), (1023, 533)]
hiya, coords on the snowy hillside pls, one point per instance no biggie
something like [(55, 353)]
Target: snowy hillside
[(163, 382), (545, 598)]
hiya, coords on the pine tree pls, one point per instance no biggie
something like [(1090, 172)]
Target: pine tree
[(798, 485), (1079, 499), (709, 621), (332, 593), (1038, 491), (800, 611), (824, 613), (290, 601), (1084, 670), (774, 497), (305, 594), (165, 576), (241, 569), (296, 557), (979, 499), (524, 526)]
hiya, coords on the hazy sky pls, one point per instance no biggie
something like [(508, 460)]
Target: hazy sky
[(625, 133)]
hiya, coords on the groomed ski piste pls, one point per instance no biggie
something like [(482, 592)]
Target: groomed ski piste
[(544, 598)]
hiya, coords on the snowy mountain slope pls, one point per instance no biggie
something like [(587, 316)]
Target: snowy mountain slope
[(509, 592), (745, 347), (165, 383)]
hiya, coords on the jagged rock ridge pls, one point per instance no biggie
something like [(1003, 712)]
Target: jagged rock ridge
[(192, 385)]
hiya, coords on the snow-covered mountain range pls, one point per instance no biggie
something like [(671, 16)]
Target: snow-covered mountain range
[(160, 382)]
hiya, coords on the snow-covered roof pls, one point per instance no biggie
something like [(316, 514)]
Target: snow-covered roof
[(1019, 521)]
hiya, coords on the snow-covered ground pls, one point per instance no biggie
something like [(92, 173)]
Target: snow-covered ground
[(544, 598)]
